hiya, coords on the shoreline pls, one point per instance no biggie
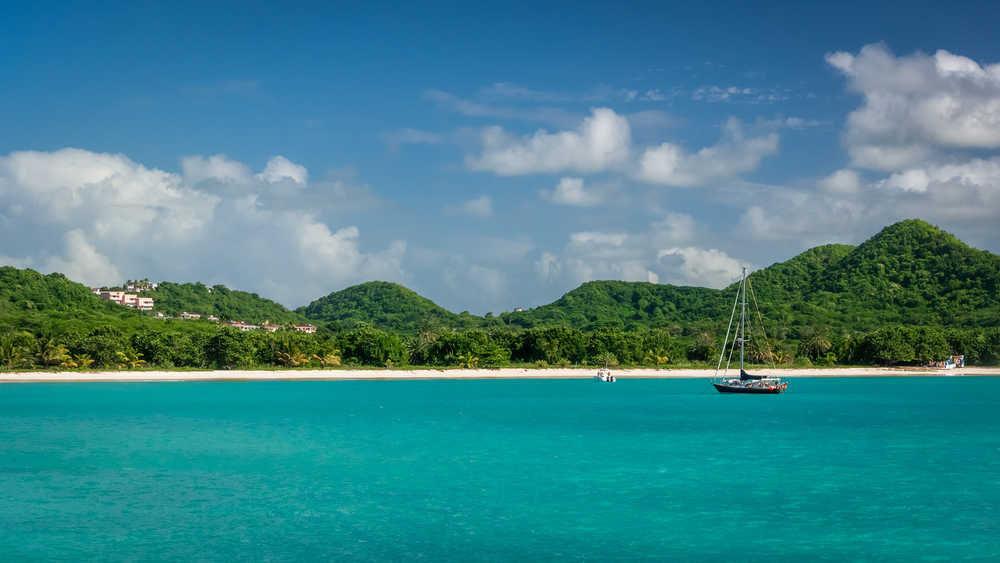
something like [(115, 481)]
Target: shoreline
[(435, 374)]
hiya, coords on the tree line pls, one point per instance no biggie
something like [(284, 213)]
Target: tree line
[(111, 347)]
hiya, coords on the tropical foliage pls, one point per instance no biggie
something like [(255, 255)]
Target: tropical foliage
[(909, 295)]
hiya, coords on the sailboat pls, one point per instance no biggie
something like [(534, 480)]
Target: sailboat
[(745, 383)]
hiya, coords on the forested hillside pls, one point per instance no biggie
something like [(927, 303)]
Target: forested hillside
[(910, 294), (219, 300), (388, 306)]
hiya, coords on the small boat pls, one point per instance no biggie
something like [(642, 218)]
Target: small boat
[(745, 383), (604, 374)]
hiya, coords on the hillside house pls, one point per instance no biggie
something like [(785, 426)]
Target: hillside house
[(308, 329)]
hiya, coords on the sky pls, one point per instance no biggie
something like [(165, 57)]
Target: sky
[(488, 156)]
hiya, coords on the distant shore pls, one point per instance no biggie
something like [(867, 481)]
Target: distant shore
[(504, 373)]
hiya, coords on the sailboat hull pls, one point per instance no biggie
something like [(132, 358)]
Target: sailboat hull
[(723, 388)]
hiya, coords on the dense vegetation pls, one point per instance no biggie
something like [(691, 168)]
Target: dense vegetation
[(909, 295), (385, 305), (220, 301)]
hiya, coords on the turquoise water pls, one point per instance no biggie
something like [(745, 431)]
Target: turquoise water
[(836, 469)]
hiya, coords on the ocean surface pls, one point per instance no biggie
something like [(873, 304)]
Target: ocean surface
[(894, 469)]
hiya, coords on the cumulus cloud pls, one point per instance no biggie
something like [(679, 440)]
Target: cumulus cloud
[(82, 262), (601, 142), (841, 182), (708, 267), (845, 209), (927, 131), (280, 168), (669, 164), (101, 217), (216, 167), (918, 104), (654, 255), (570, 191)]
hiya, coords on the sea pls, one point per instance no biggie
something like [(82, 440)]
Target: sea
[(836, 469)]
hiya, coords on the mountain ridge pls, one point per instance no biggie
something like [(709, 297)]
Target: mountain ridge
[(910, 272)]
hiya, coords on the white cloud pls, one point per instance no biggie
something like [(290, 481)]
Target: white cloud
[(280, 168), (915, 180), (705, 267), (337, 256), (594, 238), (654, 255), (654, 95), (601, 142), (669, 164), (82, 262), (739, 94), (570, 191), (841, 182), (217, 167), (101, 217), (548, 266), (917, 104)]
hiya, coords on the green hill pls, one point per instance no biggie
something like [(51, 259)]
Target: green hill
[(28, 290), (911, 272), (915, 273), (219, 300), (385, 305), (624, 304)]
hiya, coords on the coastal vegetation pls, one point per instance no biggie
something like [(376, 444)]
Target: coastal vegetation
[(909, 295)]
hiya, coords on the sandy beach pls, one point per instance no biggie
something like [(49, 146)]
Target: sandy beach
[(505, 373)]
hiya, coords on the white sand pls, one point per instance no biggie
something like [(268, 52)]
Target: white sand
[(506, 373)]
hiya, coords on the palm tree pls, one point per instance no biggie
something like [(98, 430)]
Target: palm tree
[(328, 359), (658, 357), (82, 361), (53, 353), (295, 358), (468, 361), (130, 361), (11, 353)]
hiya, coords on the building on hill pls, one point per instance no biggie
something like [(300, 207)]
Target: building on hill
[(307, 328), (116, 296), (243, 326), (126, 299), (139, 286), (186, 315)]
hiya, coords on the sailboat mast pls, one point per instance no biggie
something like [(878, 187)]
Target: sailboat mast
[(743, 315)]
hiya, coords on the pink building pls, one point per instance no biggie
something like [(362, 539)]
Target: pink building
[(144, 303), (116, 296), (305, 328)]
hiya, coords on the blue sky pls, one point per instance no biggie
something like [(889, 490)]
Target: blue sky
[(486, 156)]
